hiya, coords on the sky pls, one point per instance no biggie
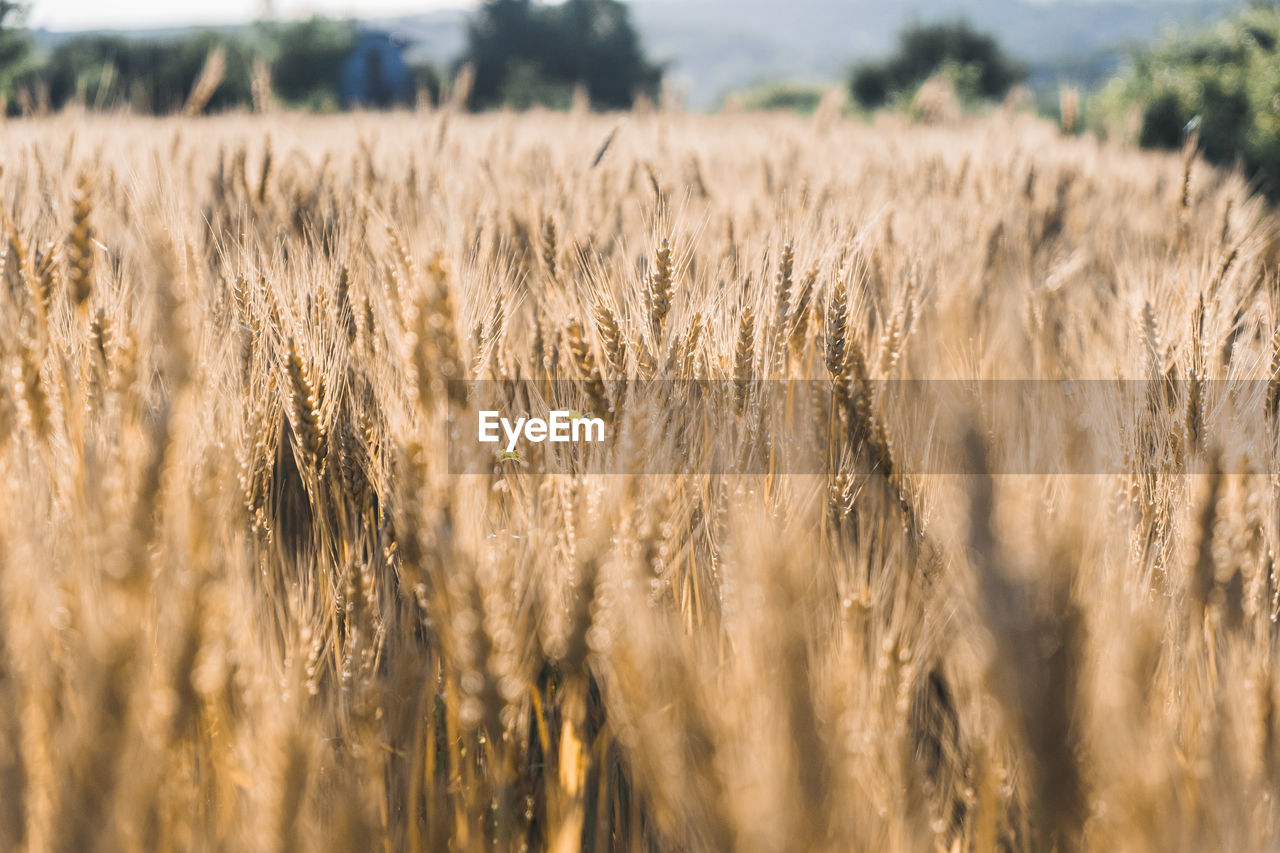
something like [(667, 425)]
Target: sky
[(130, 14)]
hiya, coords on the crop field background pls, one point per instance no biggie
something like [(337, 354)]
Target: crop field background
[(245, 604)]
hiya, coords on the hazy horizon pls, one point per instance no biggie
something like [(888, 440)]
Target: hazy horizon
[(69, 15)]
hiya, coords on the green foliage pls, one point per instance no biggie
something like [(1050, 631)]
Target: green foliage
[(973, 61), (149, 75), (1224, 81), (527, 86), (783, 97), (525, 53), (306, 57), (15, 44), (154, 75)]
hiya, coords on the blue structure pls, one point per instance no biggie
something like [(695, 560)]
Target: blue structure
[(375, 73)]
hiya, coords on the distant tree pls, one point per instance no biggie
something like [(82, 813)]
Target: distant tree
[(521, 51), (1224, 82), (156, 75), (603, 51), (526, 85), (977, 64), (500, 34), (870, 85), (183, 59), (15, 43), (150, 75), (307, 57)]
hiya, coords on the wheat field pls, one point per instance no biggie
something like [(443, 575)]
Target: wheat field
[(247, 603)]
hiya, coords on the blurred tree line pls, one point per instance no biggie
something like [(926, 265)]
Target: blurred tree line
[(1220, 85), (302, 59), (973, 61), (522, 53), (1223, 84)]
